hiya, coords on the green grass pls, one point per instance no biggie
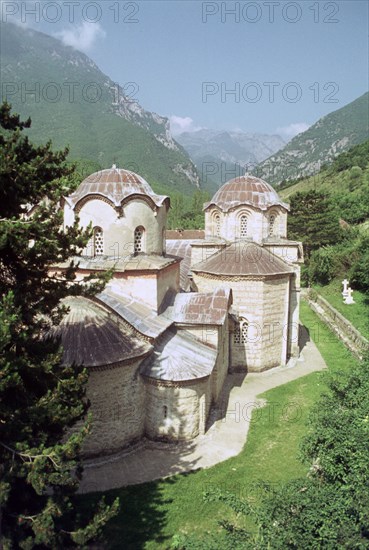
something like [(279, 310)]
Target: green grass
[(152, 513), (357, 314)]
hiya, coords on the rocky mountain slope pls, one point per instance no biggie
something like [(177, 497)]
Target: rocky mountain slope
[(220, 155), (320, 144), (73, 103)]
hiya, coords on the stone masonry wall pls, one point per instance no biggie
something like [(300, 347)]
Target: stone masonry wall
[(117, 406), (176, 413), (275, 323), (350, 336)]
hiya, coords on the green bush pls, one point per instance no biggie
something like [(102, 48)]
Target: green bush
[(323, 265)]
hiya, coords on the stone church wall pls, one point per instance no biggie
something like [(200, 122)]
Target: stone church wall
[(218, 337), (275, 323), (167, 284), (263, 304), (117, 405), (177, 412), (221, 367)]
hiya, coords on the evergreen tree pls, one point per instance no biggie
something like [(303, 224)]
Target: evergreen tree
[(40, 399), (313, 220)]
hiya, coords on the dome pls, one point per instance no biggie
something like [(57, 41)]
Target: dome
[(246, 190), (116, 185)]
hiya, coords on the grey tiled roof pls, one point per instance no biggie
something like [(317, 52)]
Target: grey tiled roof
[(204, 309), (245, 190), (144, 262), (116, 185), (243, 258), (182, 249), (179, 356), (92, 336), (140, 316)]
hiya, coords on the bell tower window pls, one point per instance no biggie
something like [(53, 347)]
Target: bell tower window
[(243, 226), (98, 241), (272, 224), (240, 333), (138, 239), (217, 225)]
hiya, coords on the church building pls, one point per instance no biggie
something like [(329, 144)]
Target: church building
[(178, 315)]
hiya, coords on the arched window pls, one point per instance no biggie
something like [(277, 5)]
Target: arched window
[(240, 332), (139, 239), (98, 241), (272, 220), (217, 225), (243, 226)]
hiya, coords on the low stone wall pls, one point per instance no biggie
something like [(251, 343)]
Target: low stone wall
[(350, 336)]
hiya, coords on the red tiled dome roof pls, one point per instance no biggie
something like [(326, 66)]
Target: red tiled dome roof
[(246, 190), (116, 185)]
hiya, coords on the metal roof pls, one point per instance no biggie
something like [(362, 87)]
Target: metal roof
[(116, 185), (92, 336), (201, 308), (179, 356), (182, 249), (140, 262), (139, 315), (243, 258), (247, 190)]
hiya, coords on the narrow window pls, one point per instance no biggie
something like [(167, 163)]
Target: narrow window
[(98, 239), (243, 226), (240, 333), (217, 225), (165, 411), (164, 242), (271, 225), (138, 239), (237, 335), (244, 331)]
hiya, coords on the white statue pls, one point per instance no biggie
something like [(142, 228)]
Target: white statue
[(349, 299), (345, 283)]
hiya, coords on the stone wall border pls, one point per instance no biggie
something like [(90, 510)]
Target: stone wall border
[(350, 336)]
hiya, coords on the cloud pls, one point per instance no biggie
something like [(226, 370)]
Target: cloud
[(293, 129), (179, 124), (82, 37)]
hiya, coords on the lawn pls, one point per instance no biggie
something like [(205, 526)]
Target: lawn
[(357, 314), (152, 513)]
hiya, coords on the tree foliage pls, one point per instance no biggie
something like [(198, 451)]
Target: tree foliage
[(330, 507), (40, 398), (313, 220)]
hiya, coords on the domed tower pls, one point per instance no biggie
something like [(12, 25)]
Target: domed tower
[(246, 208), (127, 217), (246, 250), (128, 221)]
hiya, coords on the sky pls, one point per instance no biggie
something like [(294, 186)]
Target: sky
[(259, 66)]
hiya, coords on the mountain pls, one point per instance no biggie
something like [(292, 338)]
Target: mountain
[(71, 102), (320, 144), (219, 155)]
